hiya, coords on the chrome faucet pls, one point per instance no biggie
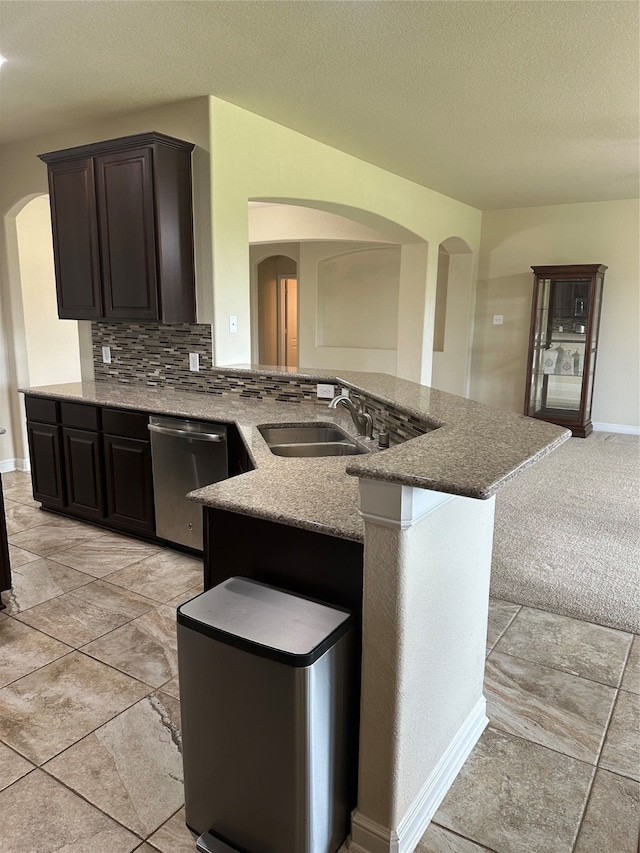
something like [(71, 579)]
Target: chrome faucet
[(362, 420)]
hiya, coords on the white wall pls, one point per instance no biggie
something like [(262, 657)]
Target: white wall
[(512, 242)]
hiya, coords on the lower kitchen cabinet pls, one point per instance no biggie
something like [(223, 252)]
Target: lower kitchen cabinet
[(129, 482), (92, 463), (83, 468), (47, 474), (128, 473)]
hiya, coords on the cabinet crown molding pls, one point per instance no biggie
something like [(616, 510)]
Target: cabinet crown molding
[(122, 143)]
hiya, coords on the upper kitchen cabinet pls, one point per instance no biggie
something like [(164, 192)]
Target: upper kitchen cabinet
[(122, 222)]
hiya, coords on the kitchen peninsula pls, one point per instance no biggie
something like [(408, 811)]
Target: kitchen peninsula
[(423, 509)]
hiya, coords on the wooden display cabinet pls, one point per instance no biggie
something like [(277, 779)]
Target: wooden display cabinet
[(563, 344)]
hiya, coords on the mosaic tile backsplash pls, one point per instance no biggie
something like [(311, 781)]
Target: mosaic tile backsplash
[(159, 355), (152, 353)]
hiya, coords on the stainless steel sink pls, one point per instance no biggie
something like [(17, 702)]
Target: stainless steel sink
[(311, 440)]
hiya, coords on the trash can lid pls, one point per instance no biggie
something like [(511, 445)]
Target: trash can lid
[(267, 621)]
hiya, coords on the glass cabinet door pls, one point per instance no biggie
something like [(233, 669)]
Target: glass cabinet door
[(563, 345)]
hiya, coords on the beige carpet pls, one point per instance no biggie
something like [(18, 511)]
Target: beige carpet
[(567, 535)]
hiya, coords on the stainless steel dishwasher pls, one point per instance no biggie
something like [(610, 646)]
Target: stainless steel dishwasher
[(185, 455)]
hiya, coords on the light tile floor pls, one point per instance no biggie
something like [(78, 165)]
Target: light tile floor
[(90, 713)]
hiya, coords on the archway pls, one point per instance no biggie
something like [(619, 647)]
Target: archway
[(346, 321), (43, 349), (50, 346), (276, 311)]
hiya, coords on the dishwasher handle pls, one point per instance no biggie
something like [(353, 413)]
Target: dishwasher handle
[(185, 433)]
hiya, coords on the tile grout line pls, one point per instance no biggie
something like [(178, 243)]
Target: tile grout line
[(117, 714), (498, 731), (555, 668), (85, 799), (576, 837), (464, 837), (507, 626), (38, 668)]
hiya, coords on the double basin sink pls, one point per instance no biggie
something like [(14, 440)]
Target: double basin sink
[(309, 440)]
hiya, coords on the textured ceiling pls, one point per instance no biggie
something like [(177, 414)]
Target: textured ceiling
[(499, 104)]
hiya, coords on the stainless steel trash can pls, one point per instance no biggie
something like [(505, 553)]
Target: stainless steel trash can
[(267, 695)]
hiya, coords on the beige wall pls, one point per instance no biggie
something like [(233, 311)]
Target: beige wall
[(7, 451), (515, 240), (276, 222), (358, 298), (337, 329), (348, 321), (451, 364), (361, 330), (288, 167), (52, 347)]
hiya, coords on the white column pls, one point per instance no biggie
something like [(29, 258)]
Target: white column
[(427, 564)]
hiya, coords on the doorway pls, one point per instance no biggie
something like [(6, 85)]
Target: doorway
[(278, 311), (288, 321)]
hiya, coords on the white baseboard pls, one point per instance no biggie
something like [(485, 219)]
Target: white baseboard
[(7, 465), (367, 836), (628, 430)]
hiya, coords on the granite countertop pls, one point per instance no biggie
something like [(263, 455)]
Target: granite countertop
[(471, 451)]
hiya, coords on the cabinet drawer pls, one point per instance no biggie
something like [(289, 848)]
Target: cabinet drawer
[(80, 416), (129, 424), (42, 410)]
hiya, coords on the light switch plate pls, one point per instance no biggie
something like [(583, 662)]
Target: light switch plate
[(233, 324)]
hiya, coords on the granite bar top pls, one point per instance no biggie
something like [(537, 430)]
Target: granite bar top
[(472, 449)]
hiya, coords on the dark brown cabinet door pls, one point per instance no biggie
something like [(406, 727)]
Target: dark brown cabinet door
[(45, 451), (75, 239), (83, 467), (129, 483), (123, 229), (124, 190)]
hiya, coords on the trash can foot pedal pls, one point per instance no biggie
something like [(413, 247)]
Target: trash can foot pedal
[(208, 843)]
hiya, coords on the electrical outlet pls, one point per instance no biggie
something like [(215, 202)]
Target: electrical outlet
[(498, 319), (233, 324), (325, 392), (106, 355), (194, 361)]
